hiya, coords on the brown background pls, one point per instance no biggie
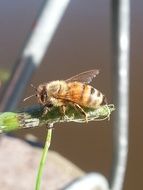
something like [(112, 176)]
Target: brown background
[(82, 42)]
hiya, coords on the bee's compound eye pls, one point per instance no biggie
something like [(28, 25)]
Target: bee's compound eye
[(43, 97)]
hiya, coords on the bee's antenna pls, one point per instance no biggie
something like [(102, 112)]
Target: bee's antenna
[(32, 94), (33, 86), (28, 97)]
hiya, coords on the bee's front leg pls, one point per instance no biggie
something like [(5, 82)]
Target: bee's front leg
[(47, 107)]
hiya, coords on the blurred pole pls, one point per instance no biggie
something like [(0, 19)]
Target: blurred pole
[(121, 53), (90, 181), (33, 52)]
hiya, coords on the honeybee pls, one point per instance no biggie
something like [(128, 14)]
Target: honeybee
[(75, 91)]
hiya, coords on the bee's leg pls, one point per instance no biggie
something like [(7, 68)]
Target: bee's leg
[(47, 107), (63, 110), (104, 102), (45, 110), (79, 108)]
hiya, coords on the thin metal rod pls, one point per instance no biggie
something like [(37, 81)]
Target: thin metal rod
[(121, 52), (33, 52)]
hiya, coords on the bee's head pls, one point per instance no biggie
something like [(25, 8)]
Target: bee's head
[(40, 93)]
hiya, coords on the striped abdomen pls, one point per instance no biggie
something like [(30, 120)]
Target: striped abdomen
[(84, 95)]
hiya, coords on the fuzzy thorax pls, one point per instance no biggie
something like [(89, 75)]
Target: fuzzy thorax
[(56, 87)]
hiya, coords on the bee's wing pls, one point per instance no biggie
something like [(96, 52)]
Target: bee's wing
[(85, 77)]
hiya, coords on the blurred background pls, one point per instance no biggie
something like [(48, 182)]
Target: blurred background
[(81, 42)]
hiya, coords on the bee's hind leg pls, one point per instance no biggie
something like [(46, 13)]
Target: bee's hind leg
[(104, 102), (81, 110)]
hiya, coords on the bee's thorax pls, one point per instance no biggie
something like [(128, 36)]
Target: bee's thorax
[(55, 87)]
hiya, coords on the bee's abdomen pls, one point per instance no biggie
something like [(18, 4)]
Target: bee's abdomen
[(84, 95), (95, 98), (91, 97), (74, 92)]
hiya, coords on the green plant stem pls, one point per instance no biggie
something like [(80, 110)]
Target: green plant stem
[(43, 159)]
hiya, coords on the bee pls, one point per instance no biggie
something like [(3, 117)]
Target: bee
[(74, 91)]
